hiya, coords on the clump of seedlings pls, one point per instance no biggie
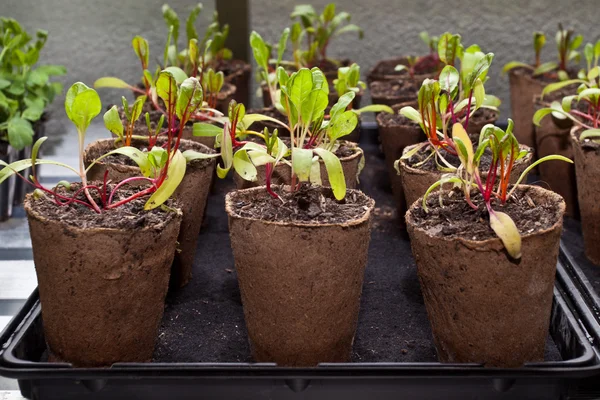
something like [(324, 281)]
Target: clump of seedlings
[(495, 188), (567, 44), (317, 31), (431, 61), (25, 90)]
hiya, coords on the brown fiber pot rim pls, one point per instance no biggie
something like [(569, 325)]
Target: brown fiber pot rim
[(494, 242), (228, 90), (132, 168), (416, 171), (32, 213), (358, 152), (231, 197)]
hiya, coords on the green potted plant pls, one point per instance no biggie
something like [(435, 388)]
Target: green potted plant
[(418, 68), (314, 259), (527, 81), (454, 98), (26, 90), (107, 159), (486, 256), (97, 274), (552, 135), (582, 110)]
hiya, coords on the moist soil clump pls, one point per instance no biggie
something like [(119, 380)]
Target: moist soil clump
[(127, 216), (309, 204), (119, 159), (456, 219)]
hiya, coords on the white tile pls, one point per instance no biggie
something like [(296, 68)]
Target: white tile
[(17, 279)]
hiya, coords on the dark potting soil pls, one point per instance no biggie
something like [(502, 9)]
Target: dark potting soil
[(430, 165), (204, 321), (395, 119), (403, 88), (230, 67), (483, 114), (128, 216), (96, 152), (573, 240), (422, 68), (308, 205), (457, 219), (269, 112)]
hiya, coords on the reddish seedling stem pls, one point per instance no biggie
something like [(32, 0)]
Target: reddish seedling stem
[(468, 109)]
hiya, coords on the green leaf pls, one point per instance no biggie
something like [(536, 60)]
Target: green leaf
[(20, 133), (301, 86), (189, 98), (21, 165), (412, 114), (448, 47), (535, 164), (142, 50), (32, 113), (545, 67), (112, 122), (191, 20), (479, 92), (343, 124), (136, 109), (191, 155), (226, 152), (36, 148), (111, 82), (82, 104), (507, 231), (559, 85), (282, 44), (260, 50), (334, 172), (166, 88), (374, 108), (449, 79), (301, 163), (175, 175), (539, 40), (172, 20), (351, 28), (177, 73), (586, 93), (206, 130), (342, 104), (243, 166)]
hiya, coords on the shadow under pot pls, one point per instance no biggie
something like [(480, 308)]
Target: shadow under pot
[(351, 156), (300, 288), (237, 72), (587, 168), (141, 129), (191, 195), (550, 139), (384, 70), (523, 88), (102, 277), (483, 306), (396, 132), (417, 176)]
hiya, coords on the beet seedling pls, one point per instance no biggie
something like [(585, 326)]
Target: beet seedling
[(567, 44), (505, 152), (266, 70), (318, 31), (431, 61)]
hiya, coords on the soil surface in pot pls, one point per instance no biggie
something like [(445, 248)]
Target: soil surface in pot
[(204, 321), (392, 120), (307, 205), (457, 219), (398, 88), (128, 216)]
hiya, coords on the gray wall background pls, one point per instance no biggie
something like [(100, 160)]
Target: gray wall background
[(93, 37)]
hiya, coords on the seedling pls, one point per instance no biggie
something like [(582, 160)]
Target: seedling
[(348, 80), (25, 90), (505, 152), (431, 61), (567, 44), (317, 31), (587, 99), (266, 72), (443, 101)]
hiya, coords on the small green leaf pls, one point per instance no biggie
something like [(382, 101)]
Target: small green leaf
[(82, 104), (374, 108), (20, 133), (507, 231), (111, 82), (545, 67), (334, 172), (260, 50), (301, 163), (206, 130), (589, 134), (142, 50), (243, 166), (177, 73), (191, 20), (559, 85), (112, 122), (136, 155), (189, 99), (191, 155), (449, 79), (226, 152), (412, 114), (166, 88)]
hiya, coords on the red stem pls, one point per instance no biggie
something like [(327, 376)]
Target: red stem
[(468, 109)]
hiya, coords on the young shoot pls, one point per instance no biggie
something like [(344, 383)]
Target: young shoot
[(567, 44), (431, 61), (494, 189), (317, 31), (266, 68)]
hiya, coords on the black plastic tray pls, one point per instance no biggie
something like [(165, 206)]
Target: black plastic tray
[(203, 352)]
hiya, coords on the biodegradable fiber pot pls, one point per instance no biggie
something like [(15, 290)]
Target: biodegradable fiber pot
[(102, 290), (384, 70), (301, 287), (560, 176), (483, 306), (237, 72), (225, 96), (587, 169), (397, 132), (416, 181), (282, 174), (191, 195), (523, 88)]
